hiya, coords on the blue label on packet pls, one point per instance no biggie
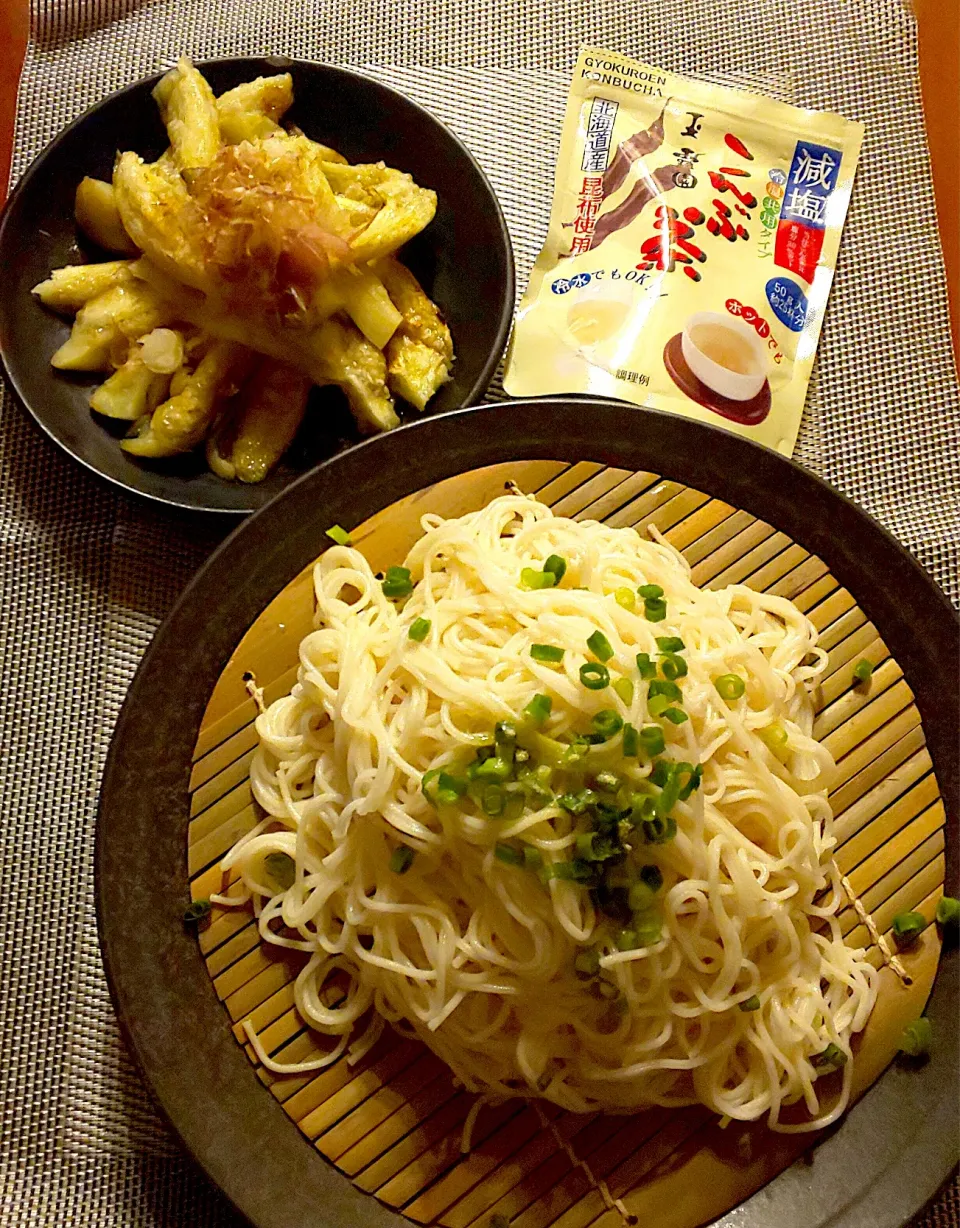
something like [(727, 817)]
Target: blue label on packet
[(812, 178), (788, 301)]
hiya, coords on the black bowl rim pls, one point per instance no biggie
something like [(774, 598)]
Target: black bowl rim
[(279, 63), (897, 1144)]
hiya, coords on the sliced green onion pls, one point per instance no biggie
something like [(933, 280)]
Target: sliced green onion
[(507, 854), (641, 808), (660, 829), (505, 734), (650, 592), (397, 582), (282, 869), (631, 741), (587, 962), (655, 611), (624, 597), (493, 769), (624, 688), (451, 788), (626, 940), (662, 771), (196, 912), (340, 536), (419, 629), (599, 645), (657, 705), (532, 858), (774, 737), (607, 782), (575, 751), (648, 927), (556, 566), (863, 670), (538, 709), (676, 715), (577, 803), (693, 774), (907, 926), (730, 686), (646, 667), (585, 846), (652, 876), (641, 896), (531, 578), (750, 1004), (401, 859), (948, 913), (652, 740), (594, 676), (670, 643), (578, 870), (917, 1037), (666, 688), (833, 1057), (607, 722), (493, 801), (546, 652), (672, 666)]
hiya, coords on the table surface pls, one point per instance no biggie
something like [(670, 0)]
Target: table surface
[(939, 46)]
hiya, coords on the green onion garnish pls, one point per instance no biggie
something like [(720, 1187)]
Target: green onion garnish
[(917, 1037), (646, 667), (577, 803), (655, 611), (607, 722), (693, 774), (507, 854), (505, 735), (652, 876), (576, 871), (907, 926), (196, 912), (419, 629), (650, 592), (631, 741), (282, 869), (948, 913), (532, 858), (340, 536), (662, 771), (556, 566), (648, 927), (493, 801), (832, 1057), (676, 715), (626, 940), (493, 769), (607, 782), (774, 736), (585, 846), (750, 1004), (450, 788), (594, 676), (538, 709), (546, 652), (668, 689), (862, 671), (652, 740), (624, 597), (624, 688), (657, 705), (397, 582), (587, 963), (672, 666), (531, 578), (641, 896), (730, 686), (401, 859), (660, 829), (670, 643), (599, 645)]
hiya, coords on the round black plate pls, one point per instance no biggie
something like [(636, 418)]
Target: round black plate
[(894, 1148), (464, 260)]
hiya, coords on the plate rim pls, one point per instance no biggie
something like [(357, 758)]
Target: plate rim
[(357, 483), (278, 63)]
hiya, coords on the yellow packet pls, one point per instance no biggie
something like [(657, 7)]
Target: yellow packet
[(692, 244)]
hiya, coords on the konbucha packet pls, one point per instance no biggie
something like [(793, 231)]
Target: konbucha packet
[(691, 248)]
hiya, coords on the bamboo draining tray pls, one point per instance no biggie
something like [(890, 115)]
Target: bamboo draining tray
[(393, 1122)]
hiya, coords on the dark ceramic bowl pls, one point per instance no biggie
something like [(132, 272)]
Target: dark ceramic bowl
[(895, 1146), (464, 260)]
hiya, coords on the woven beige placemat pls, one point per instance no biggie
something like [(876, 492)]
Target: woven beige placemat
[(88, 573)]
